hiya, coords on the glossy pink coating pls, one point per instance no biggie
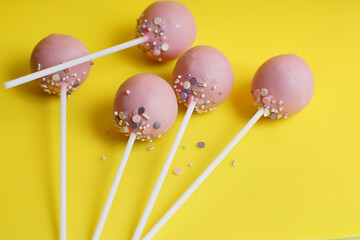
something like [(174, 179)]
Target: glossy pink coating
[(170, 27), (284, 85), (56, 49), (203, 74), (145, 104)]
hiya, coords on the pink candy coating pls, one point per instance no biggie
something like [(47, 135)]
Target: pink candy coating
[(145, 104), (56, 49), (203, 74), (170, 28), (284, 85)]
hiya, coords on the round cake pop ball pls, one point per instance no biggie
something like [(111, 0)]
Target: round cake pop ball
[(203, 74), (145, 104), (283, 85), (56, 49), (170, 27)]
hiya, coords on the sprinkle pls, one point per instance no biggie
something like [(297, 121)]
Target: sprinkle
[(67, 70), (264, 91), (257, 93), (39, 67), (281, 102), (179, 76), (213, 87), (145, 116), (156, 52), (183, 147), (126, 129), (116, 113), (186, 85), (92, 63), (122, 115), (266, 100), (126, 123), (141, 110), (165, 47), (157, 125), (198, 90), (103, 158), (76, 85), (55, 77), (273, 116), (84, 73), (127, 92), (233, 163), (202, 84), (201, 144), (134, 125), (214, 102), (206, 102), (177, 171), (157, 21), (150, 147), (202, 95), (183, 96), (190, 164), (193, 80), (136, 118), (220, 92)]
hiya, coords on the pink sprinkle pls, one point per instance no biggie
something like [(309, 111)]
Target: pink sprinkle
[(257, 93), (136, 118), (146, 131), (266, 100), (177, 171), (190, 164), (156, 52)]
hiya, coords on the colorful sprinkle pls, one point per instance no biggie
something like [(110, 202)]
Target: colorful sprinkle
[(141, 110), (103, 158), (134, 125), (273, 116), (183, 147), (177, 171), (136, 118), (55, 77), (183, 96), (186, 85), (193, 81), (157, 125), (201, 144), (190, 164), (264, 91), (150, 147)]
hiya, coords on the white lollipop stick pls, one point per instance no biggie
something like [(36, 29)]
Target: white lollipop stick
[(114, 187), (203, 176), (164, 171), (77, 61), (63, 165)]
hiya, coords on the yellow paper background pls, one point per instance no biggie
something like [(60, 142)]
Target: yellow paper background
[(293, 179)]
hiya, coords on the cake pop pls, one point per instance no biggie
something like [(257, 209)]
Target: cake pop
[(286, 78), (202, 79), (56, 49), (204, 75), (52, 50), (165, 30), (145, 108)]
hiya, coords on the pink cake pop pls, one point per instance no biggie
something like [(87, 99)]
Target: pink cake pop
[(164, 31), (162, 22), (145, 104), (283, 85), (56, 49), (203, 74), (202, 79), (145, 108)]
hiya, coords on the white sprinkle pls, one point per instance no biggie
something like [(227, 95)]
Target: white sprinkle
[(264, 91), (127, 92), (186, 85), (39, 67), (55, 77), (157, 21), (150, 147), (165, 47), (177, 25), (84, 73), (103, 158), (190, 164), (233, 163)]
